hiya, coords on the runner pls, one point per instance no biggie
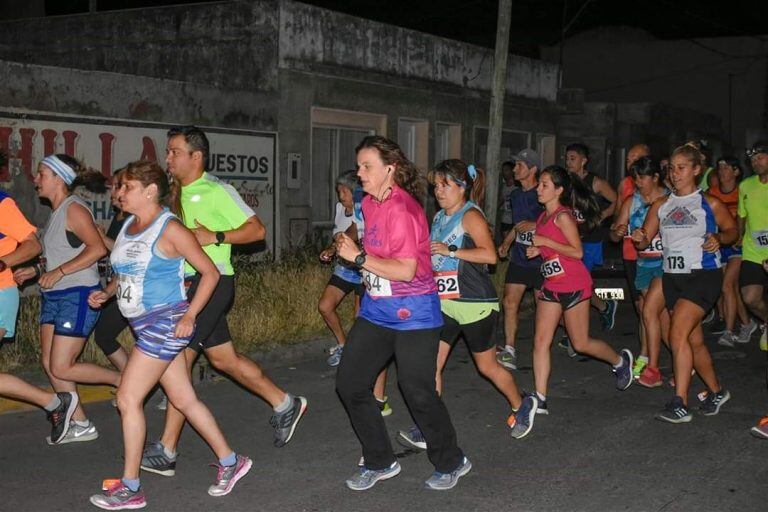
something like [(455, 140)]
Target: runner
[(522, 273), (148, 260), (727, 190), (111, 323), (462, 248), (753, 226), (218, 217), (71, 249), (567, 283), (507, 187), (692, 226), (399, 317), (19, 244), (346, 277), (649, 186), (576, 161)]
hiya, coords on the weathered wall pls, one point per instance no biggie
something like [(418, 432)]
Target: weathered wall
[(232, 45), (311, 36)]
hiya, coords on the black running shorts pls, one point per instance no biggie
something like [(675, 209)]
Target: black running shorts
[(702, 287), (212, 328), (478, 335)]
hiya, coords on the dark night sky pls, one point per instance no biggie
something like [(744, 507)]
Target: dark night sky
[(534, 22)]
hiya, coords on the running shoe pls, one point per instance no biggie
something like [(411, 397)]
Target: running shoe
[(335, 355), (120, 497), (624, 372), (565, 342), (77, 434), (61, 416), (714, 401), (675, 412), (650, 378), (444, 481), (522, 421), (728, 339), (761, 429), (764, 338), (709, 316), (367, 478), (228, 476), (608, 315), (507, 357), (637, 369), (162, 405), (718, 326), (156, 461), (384, 407), (285, 423), (412, 438), (746, 331)]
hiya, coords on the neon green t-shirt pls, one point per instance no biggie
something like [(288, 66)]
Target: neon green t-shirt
[(753, 205), (704, 183), (217, 206)]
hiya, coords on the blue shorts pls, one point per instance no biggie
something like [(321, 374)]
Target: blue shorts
[(9, 309), (728, 251), (154, 331), (647, 274), (593, 254), (69, 312)]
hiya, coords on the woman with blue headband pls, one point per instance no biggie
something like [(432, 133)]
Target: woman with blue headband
[(462, 248), (71, 249)]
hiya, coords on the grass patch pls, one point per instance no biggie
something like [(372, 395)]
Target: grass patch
[(275, 304)]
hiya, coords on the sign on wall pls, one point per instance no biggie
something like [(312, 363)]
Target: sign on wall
[(246, 159)]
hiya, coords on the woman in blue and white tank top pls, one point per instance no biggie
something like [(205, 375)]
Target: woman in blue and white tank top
[(692, 225), (148, 261)]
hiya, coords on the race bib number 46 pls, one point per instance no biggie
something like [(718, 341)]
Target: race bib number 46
[(552, 268), (653, 250), (447, 284), (376, 286)]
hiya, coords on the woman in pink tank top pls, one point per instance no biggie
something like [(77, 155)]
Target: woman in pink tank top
[(567, 285)]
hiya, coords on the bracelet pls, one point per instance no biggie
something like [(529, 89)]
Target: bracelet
[(62, 271), (38, 270)]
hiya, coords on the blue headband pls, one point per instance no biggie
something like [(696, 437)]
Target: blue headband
[(472, 170), (64, 171)]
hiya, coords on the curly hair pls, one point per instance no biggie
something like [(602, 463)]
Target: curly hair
[(407, 175)]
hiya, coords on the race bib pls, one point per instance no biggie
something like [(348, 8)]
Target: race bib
[(552, 268), (376, 286), (126, 291), (760, 238), (447, 283), (675, 262), (578, 216), (525, 237), (653, 250)]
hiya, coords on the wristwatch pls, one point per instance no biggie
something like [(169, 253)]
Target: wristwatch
[(452, 251), (219, 238), (360, 258)]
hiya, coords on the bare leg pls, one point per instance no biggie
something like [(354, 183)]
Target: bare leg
[(17, 389), (59, 385), (490, 368), (380, 386), (753, 299), (547, 319), (730, 291), (686, 318), (174, 420), (329, 301), (653, 307), (577, 324), (64, 365), (246, 372), (513, 296)]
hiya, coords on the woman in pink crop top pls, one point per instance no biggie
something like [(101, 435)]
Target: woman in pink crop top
[(567, 284)]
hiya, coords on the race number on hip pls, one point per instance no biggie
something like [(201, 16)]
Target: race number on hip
[(653, 250), (676, 262), (760, 238), (447, 284), (524, 237), (552, 268), (126, 291), (376, 286)]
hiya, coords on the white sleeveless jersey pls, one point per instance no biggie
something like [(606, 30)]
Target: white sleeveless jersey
[(684, 222), (146, 278)]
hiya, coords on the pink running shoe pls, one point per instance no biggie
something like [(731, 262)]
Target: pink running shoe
[(120, 497), (227, 476)]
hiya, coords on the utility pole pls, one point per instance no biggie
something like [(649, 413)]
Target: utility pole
[(496, 118)]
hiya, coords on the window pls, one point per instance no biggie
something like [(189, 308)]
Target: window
[(511, 143), (447, 141), (413, 138), (546, 148)]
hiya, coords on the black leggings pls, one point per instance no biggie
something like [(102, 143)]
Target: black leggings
[(110, 324), (368, 349)]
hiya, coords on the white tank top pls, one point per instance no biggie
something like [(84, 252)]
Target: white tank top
[(146, 278), (684, 222)]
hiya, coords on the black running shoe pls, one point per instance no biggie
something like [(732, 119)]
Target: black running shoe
[(675, 412), (61, 416), (285, 423)]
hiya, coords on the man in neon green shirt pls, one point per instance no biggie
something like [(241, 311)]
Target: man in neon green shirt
[(218, 217), (753, 226)]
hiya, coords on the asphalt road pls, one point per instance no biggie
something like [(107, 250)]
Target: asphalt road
[(599, 449)]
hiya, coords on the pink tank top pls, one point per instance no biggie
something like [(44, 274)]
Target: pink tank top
[(561, 273)]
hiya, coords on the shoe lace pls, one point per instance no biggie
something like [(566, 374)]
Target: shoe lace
[(282, 420), (55, 417), (763, 421), (221, 470), (415, 433)]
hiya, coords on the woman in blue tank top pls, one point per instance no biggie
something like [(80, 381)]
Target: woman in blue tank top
[(148, 260)]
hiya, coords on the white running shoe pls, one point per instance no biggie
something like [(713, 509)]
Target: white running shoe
[(77, 434)]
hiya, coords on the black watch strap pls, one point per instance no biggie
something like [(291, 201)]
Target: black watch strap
[(219, 238)]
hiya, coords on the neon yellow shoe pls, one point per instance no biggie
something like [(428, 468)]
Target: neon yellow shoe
[(764, 338), (637, 369)]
